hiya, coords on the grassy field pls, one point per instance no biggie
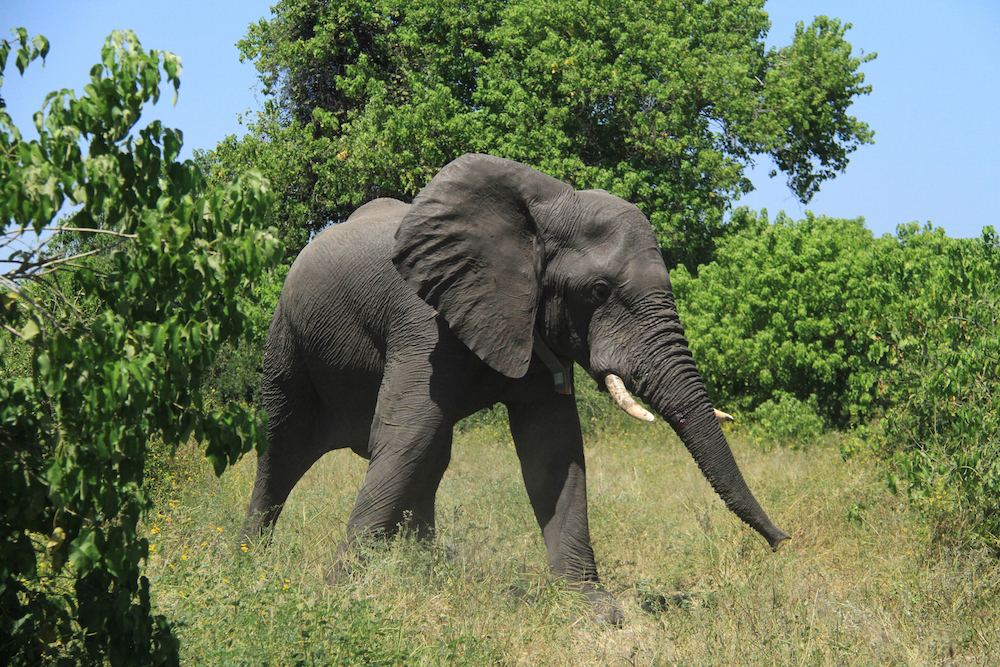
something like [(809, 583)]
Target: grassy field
[(861, 583)]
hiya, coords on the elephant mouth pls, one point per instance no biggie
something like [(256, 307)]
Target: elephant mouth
[(624, 400)]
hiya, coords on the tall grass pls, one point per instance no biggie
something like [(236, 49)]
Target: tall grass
[(859, 584)]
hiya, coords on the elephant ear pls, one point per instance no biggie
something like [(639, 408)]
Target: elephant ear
[(469, 246)]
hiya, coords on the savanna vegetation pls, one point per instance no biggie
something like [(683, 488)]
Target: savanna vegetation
[(863, 371), (111, 317)]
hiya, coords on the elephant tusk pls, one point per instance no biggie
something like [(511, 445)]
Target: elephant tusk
[(624, 400), (723, 416)]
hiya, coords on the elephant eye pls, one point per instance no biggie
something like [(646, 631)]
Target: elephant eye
[(600, 291)]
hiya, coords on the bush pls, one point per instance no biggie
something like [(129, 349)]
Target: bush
[(117, 337), (776, 313), (815, 317), (936, 360), (788, 421)]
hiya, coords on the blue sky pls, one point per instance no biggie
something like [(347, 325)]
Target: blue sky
[(934, 108)]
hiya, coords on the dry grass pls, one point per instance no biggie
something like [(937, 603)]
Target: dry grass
[(859, 584)]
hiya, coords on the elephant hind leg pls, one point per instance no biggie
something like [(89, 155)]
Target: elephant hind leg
[(277, 474), (293, 432)]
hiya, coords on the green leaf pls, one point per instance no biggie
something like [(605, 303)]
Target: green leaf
[(30, 330)]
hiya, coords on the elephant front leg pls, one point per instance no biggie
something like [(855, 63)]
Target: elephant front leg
[(550, 447), (410, 448)]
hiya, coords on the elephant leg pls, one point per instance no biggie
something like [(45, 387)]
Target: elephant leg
[(278, 470), (294, 435), (549, 445), (410, 447)]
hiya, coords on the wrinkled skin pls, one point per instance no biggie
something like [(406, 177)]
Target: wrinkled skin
[(406, 318)]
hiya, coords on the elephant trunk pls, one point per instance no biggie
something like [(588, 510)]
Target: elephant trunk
[(676, 391)]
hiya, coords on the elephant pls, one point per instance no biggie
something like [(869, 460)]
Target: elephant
[(487, 288)]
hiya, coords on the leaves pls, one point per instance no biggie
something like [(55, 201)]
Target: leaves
[(777, 312), (665, 104), (125, 309), (897, 336)]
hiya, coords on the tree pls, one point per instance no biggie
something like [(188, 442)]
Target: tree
[(663, 103), (119, 310)]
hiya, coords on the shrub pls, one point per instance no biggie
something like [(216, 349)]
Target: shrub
[(787, 420), (936, 355), (113, 365), (776, 313)]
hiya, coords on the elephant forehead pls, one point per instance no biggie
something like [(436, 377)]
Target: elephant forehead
[(602, 214)]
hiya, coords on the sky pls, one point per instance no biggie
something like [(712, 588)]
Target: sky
[(934, 107)]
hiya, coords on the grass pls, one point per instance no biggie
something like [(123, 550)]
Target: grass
[(861, 583)]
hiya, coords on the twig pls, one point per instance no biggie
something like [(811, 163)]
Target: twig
[(110, 232)]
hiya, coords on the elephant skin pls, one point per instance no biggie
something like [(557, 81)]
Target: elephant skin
[(406, 318)]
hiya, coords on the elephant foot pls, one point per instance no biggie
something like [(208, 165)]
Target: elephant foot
[(602, 608)]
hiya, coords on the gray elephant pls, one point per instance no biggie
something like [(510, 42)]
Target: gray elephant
[(406, 318)]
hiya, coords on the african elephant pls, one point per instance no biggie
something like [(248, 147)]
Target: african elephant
[(404, 319)]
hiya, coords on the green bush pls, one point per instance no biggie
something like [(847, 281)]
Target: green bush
[(776, 313), (936, 361), (785, 420), (118, 336), (796, 320)]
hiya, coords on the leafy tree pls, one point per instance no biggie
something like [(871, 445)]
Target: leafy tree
[(663, 103), (117, 321)]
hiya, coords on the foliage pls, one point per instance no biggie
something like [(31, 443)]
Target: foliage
[(116, 351), (664, 104), (776, 312), (896, 333), (236, 373), (936, 348), (787, 420)]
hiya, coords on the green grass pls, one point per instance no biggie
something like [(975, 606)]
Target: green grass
[(861, 583)]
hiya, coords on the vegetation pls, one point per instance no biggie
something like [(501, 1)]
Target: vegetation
[(863, 371), (859, 584), (112, 317), (664, 104), (897, 335)]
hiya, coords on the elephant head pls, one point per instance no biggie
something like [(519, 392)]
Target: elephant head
[(504, 252)]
